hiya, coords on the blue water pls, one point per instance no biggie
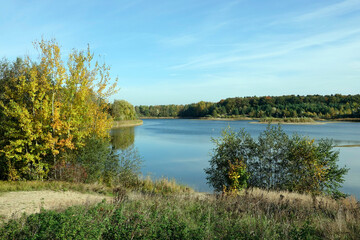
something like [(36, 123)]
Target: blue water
[(181, 149)]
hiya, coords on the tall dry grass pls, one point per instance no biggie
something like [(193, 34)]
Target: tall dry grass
[(13, 186)]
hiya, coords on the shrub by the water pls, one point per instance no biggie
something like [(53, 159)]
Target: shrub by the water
[(276, 161)]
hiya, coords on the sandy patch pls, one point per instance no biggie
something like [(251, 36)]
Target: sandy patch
[(13, 204)]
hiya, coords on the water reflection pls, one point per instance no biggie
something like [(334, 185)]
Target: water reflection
[(181, 148), (122, 138)]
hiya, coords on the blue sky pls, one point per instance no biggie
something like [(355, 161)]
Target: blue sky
[(179, 52)]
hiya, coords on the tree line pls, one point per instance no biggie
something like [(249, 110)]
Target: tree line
[(311, 106)]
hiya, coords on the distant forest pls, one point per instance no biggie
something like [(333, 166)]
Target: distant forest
[(312, 106)]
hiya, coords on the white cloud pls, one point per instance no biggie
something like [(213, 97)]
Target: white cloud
[(272, 49), (336, 9)]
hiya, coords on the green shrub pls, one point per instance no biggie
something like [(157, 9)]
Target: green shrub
[(277, 161), (128, 170)]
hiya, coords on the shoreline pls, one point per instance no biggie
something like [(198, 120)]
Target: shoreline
[(292, 123), (202, 118), (349, 146), (127, 123), (316, 122)]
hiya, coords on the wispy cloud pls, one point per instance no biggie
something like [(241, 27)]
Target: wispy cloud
[(272, 49), (336, 9)]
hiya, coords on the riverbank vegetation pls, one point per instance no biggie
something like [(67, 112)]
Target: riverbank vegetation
[(275, 161), (122, 110), (254, 214), (124, 114), (290, 106), (54, 118), (127, 123)]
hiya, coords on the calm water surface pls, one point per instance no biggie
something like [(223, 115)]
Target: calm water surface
[(180, 149)]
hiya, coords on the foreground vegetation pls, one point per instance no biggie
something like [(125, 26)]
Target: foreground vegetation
[(254, 214), (291, 106)]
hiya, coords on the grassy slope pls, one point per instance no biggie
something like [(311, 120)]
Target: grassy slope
[(173, 212)]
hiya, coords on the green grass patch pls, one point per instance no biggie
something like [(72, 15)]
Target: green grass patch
[(144, 185), (162, 186), (12, 186)]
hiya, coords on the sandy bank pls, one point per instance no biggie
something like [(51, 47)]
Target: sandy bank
[(13, 204)]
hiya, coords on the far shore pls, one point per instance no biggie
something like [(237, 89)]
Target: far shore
[(317, 122), (349, 146), (292, 123), (202, 118), (127, 123)]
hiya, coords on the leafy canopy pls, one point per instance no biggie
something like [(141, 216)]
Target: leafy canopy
[(49, 108)]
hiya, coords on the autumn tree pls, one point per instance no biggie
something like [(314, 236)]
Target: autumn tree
[(49, 108)]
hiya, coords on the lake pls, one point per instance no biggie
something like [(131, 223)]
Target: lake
[(180, 148)]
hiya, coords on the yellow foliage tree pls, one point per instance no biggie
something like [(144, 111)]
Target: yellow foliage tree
[(48, 108)]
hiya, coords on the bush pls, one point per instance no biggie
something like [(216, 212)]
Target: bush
[(231, 146), (129, 164), (98, 161), (94, 162), (277, 161)]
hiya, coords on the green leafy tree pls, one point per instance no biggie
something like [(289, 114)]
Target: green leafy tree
[(276, 161), (229, 148), (123, 110), (270, 158)]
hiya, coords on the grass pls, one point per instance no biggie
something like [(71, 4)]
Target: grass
[(287, 120), (7, 186), (162, 185), (163, 209), (145, 185), (255, 214), (127, 123)]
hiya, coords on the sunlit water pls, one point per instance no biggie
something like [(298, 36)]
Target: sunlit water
[(181, 149)]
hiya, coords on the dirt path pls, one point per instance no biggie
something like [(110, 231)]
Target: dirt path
[(13, 204)]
